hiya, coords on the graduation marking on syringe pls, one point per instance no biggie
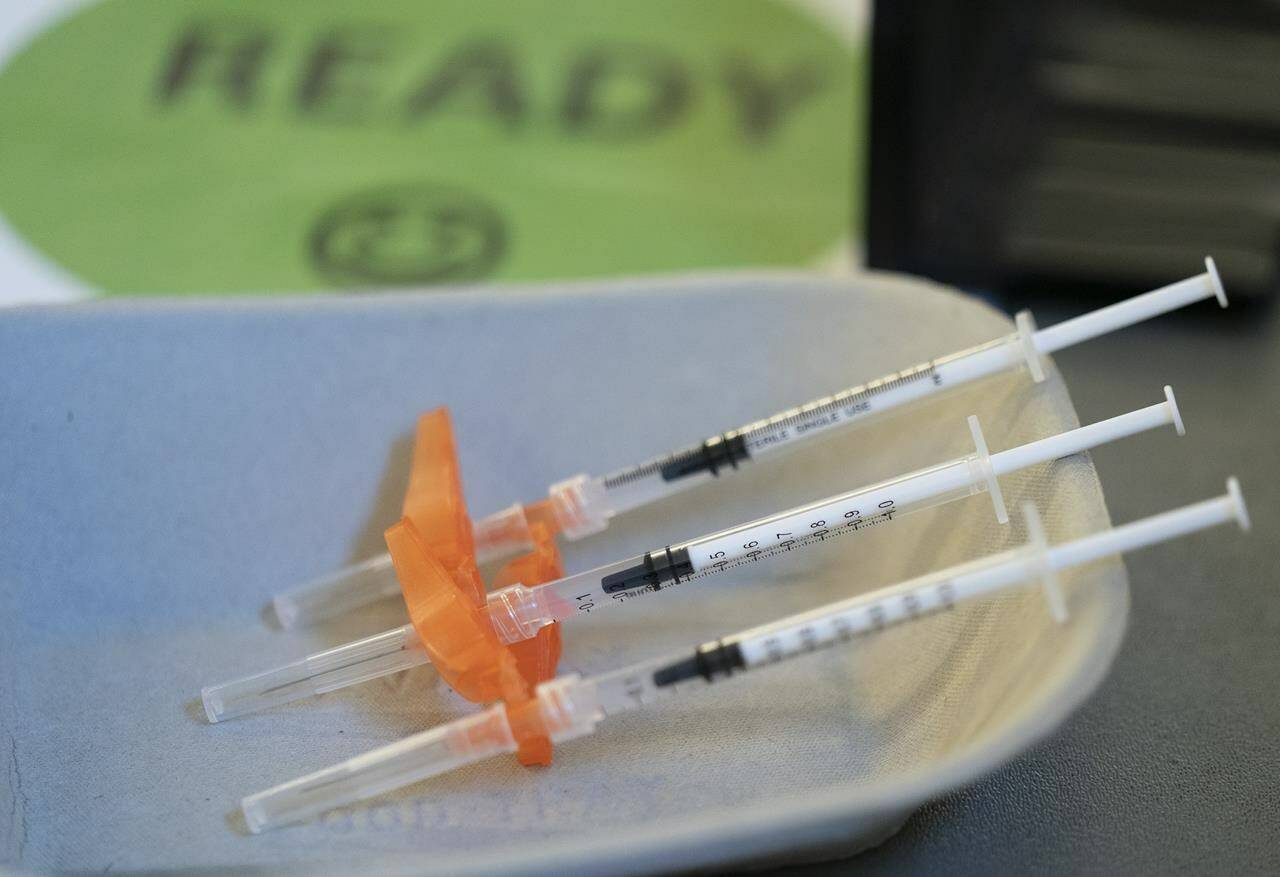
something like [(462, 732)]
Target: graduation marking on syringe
[(854, 526), (730, 448)]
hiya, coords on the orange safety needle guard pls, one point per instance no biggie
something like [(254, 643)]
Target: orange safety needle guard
[(434, 556)]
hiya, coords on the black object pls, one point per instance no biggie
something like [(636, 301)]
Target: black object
[(1110, 143), (709, 661), (712, 456), (664, 565)]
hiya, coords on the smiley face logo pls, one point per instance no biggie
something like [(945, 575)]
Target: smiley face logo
[(408, 235)]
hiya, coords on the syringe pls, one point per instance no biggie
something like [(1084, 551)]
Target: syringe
[(584, 504), (518, 612), (571, 706)]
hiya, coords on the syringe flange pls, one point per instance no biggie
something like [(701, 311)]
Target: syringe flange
[(1038, 544), (1215, 281), (1240, 510), (983, 460), (1026, 325)]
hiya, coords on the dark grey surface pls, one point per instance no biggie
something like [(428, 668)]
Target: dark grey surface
[(1174, 764)]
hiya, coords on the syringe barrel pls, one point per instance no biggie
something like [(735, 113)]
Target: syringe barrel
[(412, 759), (868, 613), (519, 612), (848, 512), (359, 661)]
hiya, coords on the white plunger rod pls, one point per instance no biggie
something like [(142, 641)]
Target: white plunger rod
[(1157, 528), (1077, 440), (1134, 310)]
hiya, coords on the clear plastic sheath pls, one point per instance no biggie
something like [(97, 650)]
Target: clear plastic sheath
[(360, 661), (375, 579), (337, 593), (413, 758)]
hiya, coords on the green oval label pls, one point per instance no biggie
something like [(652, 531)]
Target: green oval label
[(167, 146)]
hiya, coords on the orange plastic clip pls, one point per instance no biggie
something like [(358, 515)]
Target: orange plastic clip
[(434, 556)]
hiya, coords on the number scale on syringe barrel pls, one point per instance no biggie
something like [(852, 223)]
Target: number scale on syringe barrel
[(671, 473)]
